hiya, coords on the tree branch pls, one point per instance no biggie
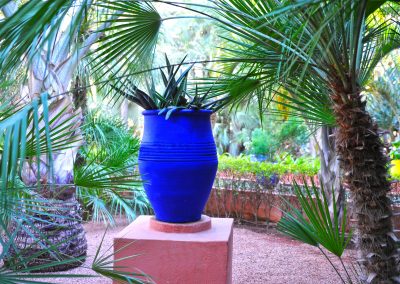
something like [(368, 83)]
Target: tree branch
[(91, 39), (69, 66)]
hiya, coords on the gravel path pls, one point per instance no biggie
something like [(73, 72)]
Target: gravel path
[(258, 258)]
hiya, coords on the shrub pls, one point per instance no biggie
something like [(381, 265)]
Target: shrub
[(263, 143), (288, 136), (247, 190), (288, 165), (111, 151)]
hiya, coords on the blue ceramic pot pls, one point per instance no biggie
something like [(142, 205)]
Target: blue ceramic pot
[(178, 163)]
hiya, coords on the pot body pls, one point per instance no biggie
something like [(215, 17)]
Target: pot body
[(178, 163)]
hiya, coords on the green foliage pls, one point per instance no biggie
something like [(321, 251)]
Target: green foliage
[(131, 33), (16, 140), (175, 95), (263, 143), (271, 52), (21, 204), (243, 165), (317, 227), (17, 203), (107, 181), (242, 131), (110, 141), (383, 101), (277, 136), (395, 151), (293, 132), (37, 23)]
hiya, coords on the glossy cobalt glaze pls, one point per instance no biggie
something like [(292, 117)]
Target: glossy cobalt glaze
[(178, 163)]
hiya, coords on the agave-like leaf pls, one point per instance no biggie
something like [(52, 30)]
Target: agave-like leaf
[(175, 95)]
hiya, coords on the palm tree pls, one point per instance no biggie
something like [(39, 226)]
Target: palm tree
[(48, 40), (25, 134), (322, 53)]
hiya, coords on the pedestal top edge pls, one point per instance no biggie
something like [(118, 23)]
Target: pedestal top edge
[(220, 231)]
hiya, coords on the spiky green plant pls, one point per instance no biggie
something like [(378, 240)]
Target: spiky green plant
[(175, 95), (108, 183), (314, 225)]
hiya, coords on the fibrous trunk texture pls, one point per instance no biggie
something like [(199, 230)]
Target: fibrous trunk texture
[(365, 170), (80, 100), (55, 232), (65, 237), (80, 96), (329, 176)]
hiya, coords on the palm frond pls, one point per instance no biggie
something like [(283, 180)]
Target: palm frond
[(264, 54), (100, 176), (109, 191), (106, 263), (15, 132), (62, 125), (303, 48), (19, 204), (108, 183), (130, 37), (382, 36), (316, 227), (33, 28)]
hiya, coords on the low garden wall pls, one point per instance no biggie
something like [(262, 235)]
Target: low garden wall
[(248, 206), (247, 199), (245, 192), (262, 208)]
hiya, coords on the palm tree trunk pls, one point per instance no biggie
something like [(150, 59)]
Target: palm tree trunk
[(55, 231), (364, 165), (329, 175), (80, 99), (65, 233), (80, 95), (52, 71)]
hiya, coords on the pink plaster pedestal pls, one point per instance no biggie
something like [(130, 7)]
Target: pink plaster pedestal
[(194, 253)]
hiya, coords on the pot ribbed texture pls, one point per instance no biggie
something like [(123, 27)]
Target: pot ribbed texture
[(178, 163)]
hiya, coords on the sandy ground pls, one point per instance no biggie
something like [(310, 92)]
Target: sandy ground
[(258, 258)]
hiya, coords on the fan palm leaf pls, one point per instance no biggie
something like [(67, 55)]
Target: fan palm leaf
[(33, 28), (130, 37), (314, 224)]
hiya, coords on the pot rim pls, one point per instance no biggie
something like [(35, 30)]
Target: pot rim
[(183, 111)]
